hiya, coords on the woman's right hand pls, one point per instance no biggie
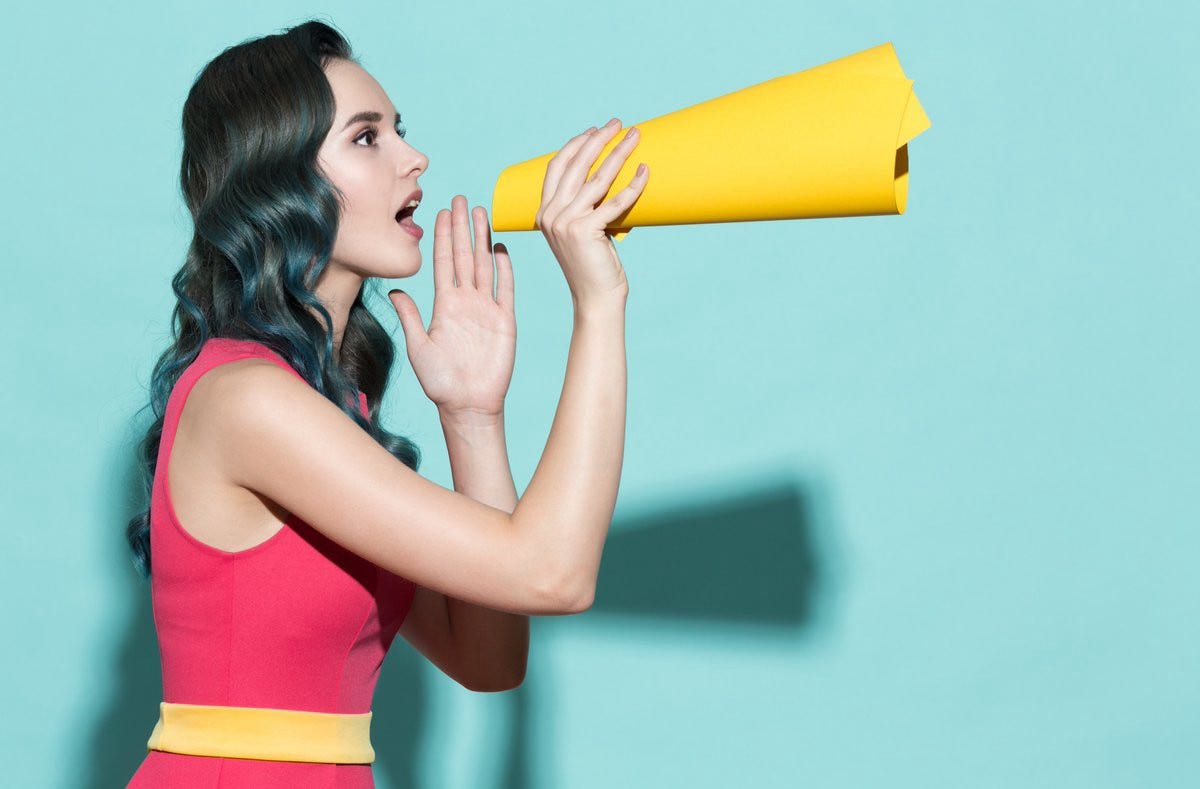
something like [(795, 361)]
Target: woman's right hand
[(574, 226)]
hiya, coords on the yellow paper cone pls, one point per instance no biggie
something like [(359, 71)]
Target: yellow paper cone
[(828, 141)]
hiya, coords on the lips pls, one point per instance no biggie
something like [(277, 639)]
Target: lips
[(405, 211)]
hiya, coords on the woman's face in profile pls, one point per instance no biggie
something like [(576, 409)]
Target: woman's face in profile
[(377, 172)]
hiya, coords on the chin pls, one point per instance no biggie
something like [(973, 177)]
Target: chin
[(398, 268)]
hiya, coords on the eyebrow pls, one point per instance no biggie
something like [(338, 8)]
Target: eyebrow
[(367, 115)]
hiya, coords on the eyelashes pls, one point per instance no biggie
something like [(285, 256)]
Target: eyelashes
[(374, 133)]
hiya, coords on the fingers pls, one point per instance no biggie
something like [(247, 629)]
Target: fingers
[(453, 256), (504, 278), (460, 233), (558, 162), (619, 203), (601, 181), (579, 166), (483, 249), (410, 319), (443, 252)]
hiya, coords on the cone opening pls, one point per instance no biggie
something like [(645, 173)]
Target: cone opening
[(900, 175)]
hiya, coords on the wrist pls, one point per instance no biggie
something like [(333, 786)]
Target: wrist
[(603, 307), (468, 420)]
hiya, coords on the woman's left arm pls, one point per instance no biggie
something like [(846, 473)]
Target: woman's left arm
[(492, 646), (464, 363)]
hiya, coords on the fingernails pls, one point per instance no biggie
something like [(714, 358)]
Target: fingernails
[(613, 122), (633, 132)]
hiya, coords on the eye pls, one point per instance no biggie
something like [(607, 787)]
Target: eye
[(368, 131), (373, 132)]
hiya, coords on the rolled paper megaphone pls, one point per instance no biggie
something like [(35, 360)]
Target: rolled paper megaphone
[(826, 142)]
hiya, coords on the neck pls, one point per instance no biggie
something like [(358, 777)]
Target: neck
[(337, 289)]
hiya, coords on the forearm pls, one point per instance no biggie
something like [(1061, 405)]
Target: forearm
[(573, 492), (479, 459), (493, 645)]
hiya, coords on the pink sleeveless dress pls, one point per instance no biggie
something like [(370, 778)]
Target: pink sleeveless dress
[(295, 622)]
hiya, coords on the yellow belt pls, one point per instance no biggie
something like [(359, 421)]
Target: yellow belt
[(263, 733)]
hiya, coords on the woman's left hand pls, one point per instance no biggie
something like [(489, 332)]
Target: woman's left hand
[(465, 361)]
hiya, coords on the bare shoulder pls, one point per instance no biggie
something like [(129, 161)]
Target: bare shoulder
[(237, 383), (208, 504), (226, 398)]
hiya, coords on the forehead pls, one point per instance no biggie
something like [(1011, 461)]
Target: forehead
[(354, 89)]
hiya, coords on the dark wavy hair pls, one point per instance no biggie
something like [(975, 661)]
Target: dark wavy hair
[(265, 220)]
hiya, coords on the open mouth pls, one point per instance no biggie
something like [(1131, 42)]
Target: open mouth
[(405, 213)]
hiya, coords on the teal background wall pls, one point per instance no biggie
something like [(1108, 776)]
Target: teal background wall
[(907, 500)]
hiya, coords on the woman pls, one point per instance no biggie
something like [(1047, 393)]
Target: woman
[(293, 537)]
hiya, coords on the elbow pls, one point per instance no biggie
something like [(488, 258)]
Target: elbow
[(496, 686), (497, 682), (564, 595), (571, 591), (560, 586), (578, 598)]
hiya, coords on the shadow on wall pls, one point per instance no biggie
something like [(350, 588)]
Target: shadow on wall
[(755, 561)]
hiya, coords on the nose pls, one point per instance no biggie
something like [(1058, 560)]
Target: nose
[(411, 162)]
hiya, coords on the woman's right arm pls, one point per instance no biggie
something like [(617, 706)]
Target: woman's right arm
[(273, 434), (284, 440)]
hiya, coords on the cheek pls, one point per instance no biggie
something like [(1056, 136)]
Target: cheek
[(361, 197), (364, 189)]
